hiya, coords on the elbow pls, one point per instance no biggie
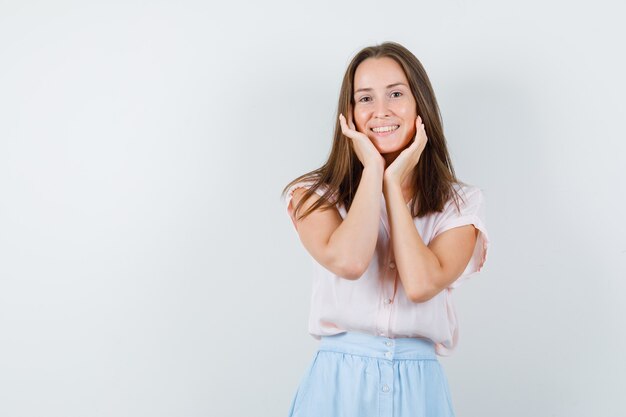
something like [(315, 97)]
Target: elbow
[(424, 289), (416, 297), (421, 295), (345, 266), (353, 271), (350, 270)]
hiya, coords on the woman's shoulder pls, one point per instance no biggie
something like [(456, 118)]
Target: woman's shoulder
[(468, 198), (465, 188), (464, 195), (465, 191), (306, 183)]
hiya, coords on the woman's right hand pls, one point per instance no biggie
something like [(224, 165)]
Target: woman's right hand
[(363, 146)]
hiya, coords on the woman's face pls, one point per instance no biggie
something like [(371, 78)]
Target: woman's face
[(382, 97)]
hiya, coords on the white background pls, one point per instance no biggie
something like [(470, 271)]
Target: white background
[(148, 266)]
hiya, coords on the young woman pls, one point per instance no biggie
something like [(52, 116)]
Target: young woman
[(392, 232)]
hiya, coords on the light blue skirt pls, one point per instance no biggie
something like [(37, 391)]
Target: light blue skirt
[(356, 374)]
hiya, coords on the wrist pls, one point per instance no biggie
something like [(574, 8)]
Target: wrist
[(390, 185), (390, 180), (375, 170)]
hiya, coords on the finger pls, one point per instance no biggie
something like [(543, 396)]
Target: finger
[(342, 124), (342, 120), (351, 122), (344, 127), (419, 125), (415, 143)]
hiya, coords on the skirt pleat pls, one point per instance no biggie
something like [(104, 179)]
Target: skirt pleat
[(356, 374)]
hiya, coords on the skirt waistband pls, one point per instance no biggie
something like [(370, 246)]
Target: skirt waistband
[(365, 344)]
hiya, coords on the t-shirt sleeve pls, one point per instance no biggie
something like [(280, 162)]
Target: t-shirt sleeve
[(472, 211), (289, 196)]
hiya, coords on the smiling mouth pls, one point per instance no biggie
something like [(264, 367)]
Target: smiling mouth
[(384, 131)]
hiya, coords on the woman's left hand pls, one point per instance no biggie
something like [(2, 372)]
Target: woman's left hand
[(404, 163)]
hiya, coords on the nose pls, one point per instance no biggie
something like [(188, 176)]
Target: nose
[(382, 108)]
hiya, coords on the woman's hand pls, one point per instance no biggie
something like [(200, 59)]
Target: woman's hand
[(403, 165), (363, 146)]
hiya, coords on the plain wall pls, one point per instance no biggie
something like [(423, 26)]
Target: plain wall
[(148, 266)]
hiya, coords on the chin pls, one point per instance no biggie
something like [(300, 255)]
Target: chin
[(391, 148)]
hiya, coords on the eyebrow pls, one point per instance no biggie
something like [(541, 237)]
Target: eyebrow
[(389, 86)]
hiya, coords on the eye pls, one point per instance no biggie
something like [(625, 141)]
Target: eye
[(363, 98), (396, 92)]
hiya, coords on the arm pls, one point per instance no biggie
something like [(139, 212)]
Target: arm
[(425, 270), (346, 246)]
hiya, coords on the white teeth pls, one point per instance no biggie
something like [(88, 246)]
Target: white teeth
[(385, 129)]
